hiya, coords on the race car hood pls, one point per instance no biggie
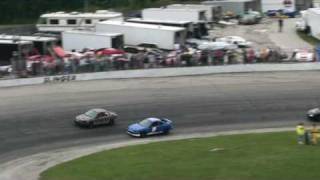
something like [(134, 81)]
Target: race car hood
[(136, 128), (83, 117)]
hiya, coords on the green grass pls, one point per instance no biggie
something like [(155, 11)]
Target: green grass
[(311, 40), (245, 157)]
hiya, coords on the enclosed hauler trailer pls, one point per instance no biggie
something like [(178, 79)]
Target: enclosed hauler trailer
[(196, 16), (184, 24), (8, 47), (313, 21), (193, 15), (213, 12), (79, 40), (303, 4), (60, 21), (316, 3), (42, 44), (164, 37), (268, 5), (238, 7)]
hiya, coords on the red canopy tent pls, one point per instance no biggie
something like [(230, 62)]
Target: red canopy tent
[(34, 58), (109, 51), (59, 51)]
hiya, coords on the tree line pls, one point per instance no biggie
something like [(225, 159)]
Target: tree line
[(27, 11)]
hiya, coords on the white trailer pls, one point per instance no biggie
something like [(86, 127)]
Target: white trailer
[(193, 15), (212, 12), (61, 21), (313, 21), (196, 16), (164, 37), (9, 47), (289, 5), (79, 40), (316, 3), (42, 44), (238, 7), (184, 24)]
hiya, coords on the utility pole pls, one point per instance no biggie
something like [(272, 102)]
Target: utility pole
[(86, 5)]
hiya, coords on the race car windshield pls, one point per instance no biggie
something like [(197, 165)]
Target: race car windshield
[(91, 114), (145, 123)]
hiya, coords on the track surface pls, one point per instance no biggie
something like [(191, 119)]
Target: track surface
[(39, 118)]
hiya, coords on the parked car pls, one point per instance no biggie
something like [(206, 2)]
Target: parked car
[(150, 126), (252, 17), (281, 12), (96, 117), (289, 13), (241, 42), (217, 46), (314, 114), (256, 13), (301, 25)]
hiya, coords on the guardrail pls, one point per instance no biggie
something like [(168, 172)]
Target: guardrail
[(164, 72)]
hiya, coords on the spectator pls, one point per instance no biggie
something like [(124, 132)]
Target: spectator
[(300, 132), (219, 56), (152, 60), (250, 56), (280, 24), (245, 56), (314, 134), (204, 58)]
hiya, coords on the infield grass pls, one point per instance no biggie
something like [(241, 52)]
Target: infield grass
[(242, 157)]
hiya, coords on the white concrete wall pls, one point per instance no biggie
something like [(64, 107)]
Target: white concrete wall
[(165, 72)]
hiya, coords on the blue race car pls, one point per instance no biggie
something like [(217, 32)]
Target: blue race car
[(150, 126)]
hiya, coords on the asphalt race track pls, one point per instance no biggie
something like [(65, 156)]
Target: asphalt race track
[(40, 118)]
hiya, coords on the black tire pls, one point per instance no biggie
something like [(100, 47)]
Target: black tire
[(91, 125), (111, 122), (143, 135), (166, 132)]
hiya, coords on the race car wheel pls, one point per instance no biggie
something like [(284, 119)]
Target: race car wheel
[(142, 134), (166, 132), (111, 122), (91, 125)]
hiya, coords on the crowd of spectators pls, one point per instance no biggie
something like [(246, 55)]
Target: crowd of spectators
[(144, 58)]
